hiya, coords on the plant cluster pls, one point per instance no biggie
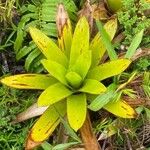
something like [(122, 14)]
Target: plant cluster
[(134, 17)]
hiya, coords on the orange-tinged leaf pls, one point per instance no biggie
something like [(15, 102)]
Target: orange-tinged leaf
[(48, 47), (47, 123), (29, 81), (65, 40), (108, 69), (97, 46), (120, 108), (53, 94)]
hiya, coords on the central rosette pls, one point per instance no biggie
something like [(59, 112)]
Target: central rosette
[(74, 80)]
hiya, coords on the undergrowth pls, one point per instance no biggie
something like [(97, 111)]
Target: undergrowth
[(134, 17), (12, 102)]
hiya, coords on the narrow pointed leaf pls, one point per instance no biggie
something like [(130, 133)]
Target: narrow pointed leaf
[(55, 69), (97, 46), (76, 110), (101, 100), (80, 41), (73, 79), (48, 47), (93, 87), (109, 69), (47, 123), (106, 41), (82, 64), (29, 81), (53, 94), (120, 108), (134, 44)]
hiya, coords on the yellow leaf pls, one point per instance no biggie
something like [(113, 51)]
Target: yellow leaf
[(80, 41), (53, 94), (108, 69), (47, 123), (76, 110), (48, 47), (29, 81), (65, 40), (120, 108)]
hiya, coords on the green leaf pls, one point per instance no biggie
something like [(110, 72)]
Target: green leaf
[(106, 41), (76, 110), (64, 146), (46, 146), (29, 81), (108, 69), (101, 101), (74, 79), (47, 123), (53, 94), (82, 64), (48, 47), (147, 112), (80, 41), (31, 57), (93, 87), (55, 69), (121, 109), (69, 130), (97, 46), (134, 44)]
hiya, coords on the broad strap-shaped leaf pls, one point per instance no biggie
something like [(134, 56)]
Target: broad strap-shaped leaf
[(134, 44), (29, 81), (55, 69), (93, 87), (76, 110), (73, 79), (48, 47), (65, 41), (53, 94), (82, 64), (97, 46), (120, 108), (47, 123), (108, 69), (80, 41)]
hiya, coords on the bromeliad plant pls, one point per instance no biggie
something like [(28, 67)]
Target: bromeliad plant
[(73, 74)]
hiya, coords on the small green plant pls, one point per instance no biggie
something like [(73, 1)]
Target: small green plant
[(133, 19), (73, 75)]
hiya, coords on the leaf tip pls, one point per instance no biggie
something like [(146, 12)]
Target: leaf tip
[(30, 143)]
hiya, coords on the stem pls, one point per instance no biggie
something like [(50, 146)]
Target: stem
[(87, 135)]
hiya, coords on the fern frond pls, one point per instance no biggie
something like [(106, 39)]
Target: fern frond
[(42, 14)]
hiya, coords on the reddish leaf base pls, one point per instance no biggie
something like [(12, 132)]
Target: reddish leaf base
[(88, 137)]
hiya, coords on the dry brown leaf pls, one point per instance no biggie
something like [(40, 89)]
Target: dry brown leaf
[(31, 112)]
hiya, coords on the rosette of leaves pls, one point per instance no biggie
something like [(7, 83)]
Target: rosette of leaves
[(73, 74), (42, 14)]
